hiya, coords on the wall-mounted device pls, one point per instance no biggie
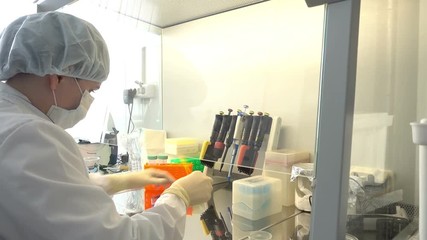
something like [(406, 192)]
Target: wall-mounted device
[(129, 95), (145, 90)]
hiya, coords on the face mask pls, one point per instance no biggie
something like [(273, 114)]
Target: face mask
[(68, 118)]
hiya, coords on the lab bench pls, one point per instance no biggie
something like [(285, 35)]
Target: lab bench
[(281, 225), (291, 223)]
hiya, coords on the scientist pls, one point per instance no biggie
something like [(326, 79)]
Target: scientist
[(49, 65)]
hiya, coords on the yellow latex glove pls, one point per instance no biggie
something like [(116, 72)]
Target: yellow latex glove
[(193, 189), (114, 183)]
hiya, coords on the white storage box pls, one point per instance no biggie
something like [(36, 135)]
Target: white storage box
[(278, 164), (257, 197), (152, 141)]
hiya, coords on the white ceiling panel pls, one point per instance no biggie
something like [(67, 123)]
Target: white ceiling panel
[(166, 13), (160, 13)]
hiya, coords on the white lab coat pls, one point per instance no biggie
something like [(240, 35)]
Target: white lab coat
[(45, 192)]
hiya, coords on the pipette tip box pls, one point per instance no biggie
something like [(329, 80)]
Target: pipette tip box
[(257, 197), (181, 146)]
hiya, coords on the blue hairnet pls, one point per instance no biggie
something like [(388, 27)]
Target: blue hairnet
[(53, 43)]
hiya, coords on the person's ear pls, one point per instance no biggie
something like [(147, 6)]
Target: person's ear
[(53, 81)]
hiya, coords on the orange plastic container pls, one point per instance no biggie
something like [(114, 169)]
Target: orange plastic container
[(153, 192)]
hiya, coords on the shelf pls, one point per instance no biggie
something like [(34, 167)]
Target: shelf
[(279, 224)]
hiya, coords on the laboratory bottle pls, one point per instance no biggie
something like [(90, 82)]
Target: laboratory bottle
[(163, 158), (152, 159)]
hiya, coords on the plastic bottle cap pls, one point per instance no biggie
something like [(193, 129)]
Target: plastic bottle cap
[(162, 157), (151, 157)]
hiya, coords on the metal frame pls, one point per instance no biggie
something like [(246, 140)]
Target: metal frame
[(335, 119), (51, 5), (312, 3)]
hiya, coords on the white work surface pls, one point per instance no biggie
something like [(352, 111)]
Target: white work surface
[(193, 228), (281, 225)]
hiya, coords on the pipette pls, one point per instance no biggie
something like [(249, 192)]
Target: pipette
[(240, 121), (229, 139), (247, 161), (207, 157), (225, 126), (249, 134)]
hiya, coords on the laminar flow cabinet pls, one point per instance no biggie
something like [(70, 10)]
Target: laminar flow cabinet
[(187, 59), (383, 76)]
